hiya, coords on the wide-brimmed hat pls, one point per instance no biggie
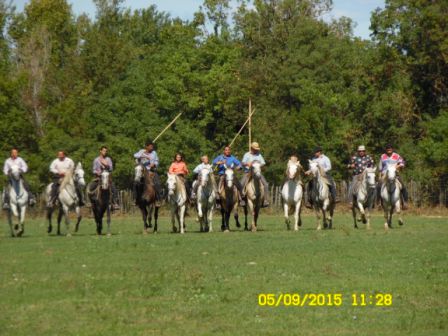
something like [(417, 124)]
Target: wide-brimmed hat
[(361, 148), (317, 149), (255, 145), (389, 146)]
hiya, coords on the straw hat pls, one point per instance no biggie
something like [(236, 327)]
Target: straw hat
[(255, 145)]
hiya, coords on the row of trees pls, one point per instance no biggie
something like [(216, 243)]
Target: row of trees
[(73, 83)]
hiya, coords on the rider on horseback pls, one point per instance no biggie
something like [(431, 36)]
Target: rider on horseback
[(196, 171), (228, 160), (358, 163), (15, 160), (179, 167), (149, 159), (101, 163), (324, 162), (248, 158), (389, 158), (59, 167)]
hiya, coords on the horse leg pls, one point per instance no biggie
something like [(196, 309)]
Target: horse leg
[(210, 216), (368, 218), (60, 214), (255, 213), (355, 221), (297, 215), (363, 212), (78, 216), (316, 210), (201, 217), (151, 210), (109, 233), (227, 220), (235, 215), (67, 220), (156, 217), (173, 218), (286, 211), (22, 212), (223, 219), (246, 228), (182, 219), (398, 210), (386, 216), (144, 213), (49, 215), (330, 218)]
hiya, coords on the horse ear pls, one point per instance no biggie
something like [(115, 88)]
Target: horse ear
[(79, 166)]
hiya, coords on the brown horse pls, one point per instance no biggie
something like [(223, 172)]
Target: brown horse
[(146, 197)]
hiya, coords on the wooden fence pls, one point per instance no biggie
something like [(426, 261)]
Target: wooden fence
[(420, 195)]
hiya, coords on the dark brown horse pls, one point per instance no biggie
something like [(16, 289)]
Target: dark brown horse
[(146, 197)]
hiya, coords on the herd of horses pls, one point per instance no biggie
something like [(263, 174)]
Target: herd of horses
[(292, 192)]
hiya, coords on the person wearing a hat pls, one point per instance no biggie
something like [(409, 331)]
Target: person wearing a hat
[(358, 163), (388, 158), (251, 156), (324, 162), (149, 159)]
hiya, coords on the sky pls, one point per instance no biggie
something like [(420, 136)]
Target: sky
[(358, 10)]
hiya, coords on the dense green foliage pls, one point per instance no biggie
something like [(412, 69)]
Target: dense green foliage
[(207, 284), (73, 83)]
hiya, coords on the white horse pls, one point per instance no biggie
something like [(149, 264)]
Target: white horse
[(18, 200), (390, 195), (363, 196), (292, 194), (177, 197), (206, 198), (320, 196), (68, 199), (254, 195)]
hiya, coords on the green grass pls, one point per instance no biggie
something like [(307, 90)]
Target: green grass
[(204, 284)]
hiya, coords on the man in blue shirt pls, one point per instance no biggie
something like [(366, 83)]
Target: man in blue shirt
[(227, 159), (248, 158)]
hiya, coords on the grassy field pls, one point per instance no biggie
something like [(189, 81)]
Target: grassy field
[(204, 284)]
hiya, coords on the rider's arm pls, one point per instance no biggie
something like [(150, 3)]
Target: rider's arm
[(155, 160), (327, 164), (138, 155), (53, 168), (23, 166), (6, 168), (110, 164), (262, 161), (246, 161)]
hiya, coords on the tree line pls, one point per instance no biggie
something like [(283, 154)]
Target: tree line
[(75, 83)]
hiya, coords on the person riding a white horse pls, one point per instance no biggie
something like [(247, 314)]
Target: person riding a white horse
[(179, 167), (390, 158), (196, 171), (228, 160), (16, 161), (359, 163), (324, 162), (248, 158), (149, 159), (101, 163), (59, 167)]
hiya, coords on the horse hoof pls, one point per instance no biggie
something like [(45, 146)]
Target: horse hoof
[(20, 233), (49, 229), (400, 222), (68, 235), (109, 234), (16, 227), (226, 230)]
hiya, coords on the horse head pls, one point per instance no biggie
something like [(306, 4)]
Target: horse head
[(370, 177), (314, 168), (256, 169), (105, 179), (171, 183), (391, 173), (138, 173), (292, 169), (204, 175), (229, 173), (79, 175), (15, 173)]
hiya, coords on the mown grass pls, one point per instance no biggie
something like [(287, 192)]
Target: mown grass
[(204, 284)]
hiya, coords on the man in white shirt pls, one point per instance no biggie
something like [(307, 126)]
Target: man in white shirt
[(324, 162), (59, 167), (17, 161), (248, 158)]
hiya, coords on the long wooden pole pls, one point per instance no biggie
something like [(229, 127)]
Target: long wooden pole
[(250, 122), (242, 127), (172, 122)]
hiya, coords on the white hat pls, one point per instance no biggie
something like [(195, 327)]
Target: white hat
[(361, 148), (255, 145)]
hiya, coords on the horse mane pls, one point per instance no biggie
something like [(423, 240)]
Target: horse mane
[(322, 175), (67, 180)]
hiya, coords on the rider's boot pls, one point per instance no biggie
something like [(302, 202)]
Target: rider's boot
[(6, 201)]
